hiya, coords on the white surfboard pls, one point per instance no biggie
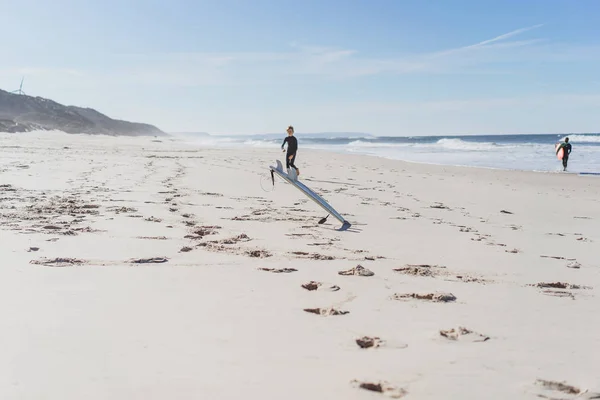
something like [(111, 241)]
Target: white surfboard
[(293, 179)]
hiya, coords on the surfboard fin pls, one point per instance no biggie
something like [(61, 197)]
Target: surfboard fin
[(292, 174), (322, 220)]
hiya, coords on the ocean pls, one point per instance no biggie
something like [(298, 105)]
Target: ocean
[(513, 152)]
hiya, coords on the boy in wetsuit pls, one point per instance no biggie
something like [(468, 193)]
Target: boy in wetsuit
[(567, 150), (292, 143)]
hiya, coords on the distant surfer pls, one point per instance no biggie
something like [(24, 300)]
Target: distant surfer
[(566, 146), (292, 148)]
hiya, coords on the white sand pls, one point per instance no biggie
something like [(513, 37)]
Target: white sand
[(208, 324)]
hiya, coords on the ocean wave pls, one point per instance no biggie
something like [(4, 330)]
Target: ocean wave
[(260, 143), (443, 144), (459, 144), (583, 138), (361, 143)]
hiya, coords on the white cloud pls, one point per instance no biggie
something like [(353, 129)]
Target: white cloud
[(508, 35)]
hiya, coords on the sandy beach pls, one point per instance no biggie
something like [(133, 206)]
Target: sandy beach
[(143, 268)]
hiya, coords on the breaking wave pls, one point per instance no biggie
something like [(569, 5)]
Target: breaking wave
[(459, 144), (362, 143), (583, 138), (447, 143)]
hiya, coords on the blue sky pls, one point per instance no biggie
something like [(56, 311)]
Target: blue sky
[(387, 67)]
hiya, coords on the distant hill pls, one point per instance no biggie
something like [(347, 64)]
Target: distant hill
[(21, 113)]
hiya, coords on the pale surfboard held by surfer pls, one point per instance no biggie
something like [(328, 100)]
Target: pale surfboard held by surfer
[(563, 150)]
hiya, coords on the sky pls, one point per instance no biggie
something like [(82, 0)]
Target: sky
[(384, 67)]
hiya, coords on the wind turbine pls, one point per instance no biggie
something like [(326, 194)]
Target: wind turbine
[(20, 91)]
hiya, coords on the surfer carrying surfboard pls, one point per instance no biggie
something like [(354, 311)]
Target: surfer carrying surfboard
[(566, 150), (292, 148)]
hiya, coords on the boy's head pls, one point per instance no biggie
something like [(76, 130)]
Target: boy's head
[(290, 130), (566, 140)]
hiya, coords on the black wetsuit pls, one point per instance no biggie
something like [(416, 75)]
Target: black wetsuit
[(292, 143), (566, 151)]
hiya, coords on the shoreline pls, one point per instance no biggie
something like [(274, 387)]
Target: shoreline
[(393, 160), (344, 152)]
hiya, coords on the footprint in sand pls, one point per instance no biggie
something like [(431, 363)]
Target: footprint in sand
[(367, 342), (421, 270), (552, 286), (257, 253), (312, 256), (58, 262), (480, 237), (463, 334), (371, 258), (326, 311), (384, 388), (314, 285), (200, 231), (120, 210), (230, 246), (559, 285), (574, 265), (553, 390), (359, 270), (433, 297), (152, 260), (278, 270), (433, 271)]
